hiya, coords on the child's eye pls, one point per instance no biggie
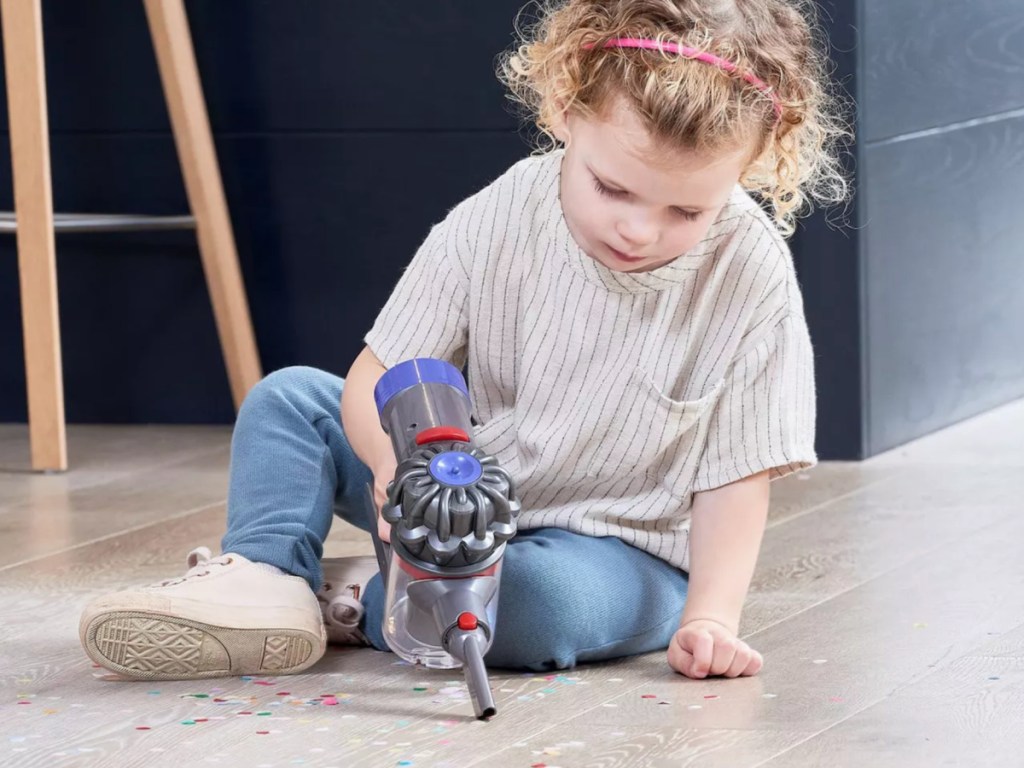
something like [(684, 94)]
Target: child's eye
[(620, 193), (608, 190), (688, 215)]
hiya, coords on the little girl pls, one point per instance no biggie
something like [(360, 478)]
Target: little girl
[(637, 356)]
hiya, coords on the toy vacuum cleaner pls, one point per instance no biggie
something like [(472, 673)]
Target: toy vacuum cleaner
[(451, 508)]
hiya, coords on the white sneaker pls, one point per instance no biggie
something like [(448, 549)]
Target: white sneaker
[(226, 616), (345, 580)]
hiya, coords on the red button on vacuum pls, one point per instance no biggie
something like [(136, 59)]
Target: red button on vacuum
[(437, 434), (467, 621)]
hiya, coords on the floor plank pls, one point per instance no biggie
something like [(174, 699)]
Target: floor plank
[(805, 560), (967, 713), (42, 524), (109, 448)]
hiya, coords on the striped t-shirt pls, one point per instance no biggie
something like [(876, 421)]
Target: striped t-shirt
[(611, 397)]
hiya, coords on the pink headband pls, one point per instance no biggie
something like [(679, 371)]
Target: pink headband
[(693, 53)]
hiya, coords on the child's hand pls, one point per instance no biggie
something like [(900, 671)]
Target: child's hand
[(702, 648), (381, 478), (383, 470)]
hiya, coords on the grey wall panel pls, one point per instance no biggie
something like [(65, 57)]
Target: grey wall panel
[(944, 249), (929, 63)]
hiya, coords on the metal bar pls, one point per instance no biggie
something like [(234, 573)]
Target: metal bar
[(105, 222)]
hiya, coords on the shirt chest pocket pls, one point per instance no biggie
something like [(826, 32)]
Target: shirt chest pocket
[(644, 427)]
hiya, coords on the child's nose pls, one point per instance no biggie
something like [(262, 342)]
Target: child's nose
[(639, 231)]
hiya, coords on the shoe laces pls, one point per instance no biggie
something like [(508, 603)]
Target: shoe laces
[(342, 611), (200, 562)]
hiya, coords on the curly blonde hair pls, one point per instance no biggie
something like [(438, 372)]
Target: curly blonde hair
[(559, 64)]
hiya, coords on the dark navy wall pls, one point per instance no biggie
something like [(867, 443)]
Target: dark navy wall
[(343, 131), (826, 250), (942, 143)]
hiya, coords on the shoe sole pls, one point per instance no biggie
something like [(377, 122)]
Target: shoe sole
[(146, 646)]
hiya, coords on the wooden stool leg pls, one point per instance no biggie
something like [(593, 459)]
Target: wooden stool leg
[(33, 205), (169, 27)]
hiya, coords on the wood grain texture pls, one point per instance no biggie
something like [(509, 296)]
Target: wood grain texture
[(865, 535), (33, 206), (54, 520), (969, 712), (117, 449)]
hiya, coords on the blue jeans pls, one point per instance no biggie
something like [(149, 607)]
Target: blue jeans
[(565, 598)]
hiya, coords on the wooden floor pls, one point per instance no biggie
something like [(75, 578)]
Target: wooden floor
[(888, 603)]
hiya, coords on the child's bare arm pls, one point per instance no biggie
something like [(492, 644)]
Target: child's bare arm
[(726, 528), (362, 425)]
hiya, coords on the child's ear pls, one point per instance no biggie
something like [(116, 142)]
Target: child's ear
[(560, 123)]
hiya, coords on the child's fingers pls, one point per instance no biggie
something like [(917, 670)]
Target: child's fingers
[(680, 653), (380, 498), (680, 659), (702, 646), (756, 662), (725, 653), (740, 661)]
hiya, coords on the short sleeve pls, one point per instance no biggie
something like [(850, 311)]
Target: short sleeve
[(765, 416), (426, 314)]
